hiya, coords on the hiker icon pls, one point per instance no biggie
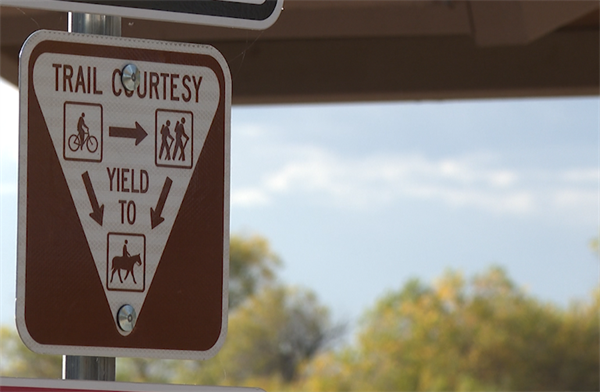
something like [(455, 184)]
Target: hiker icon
[(83, 138), (166, 141), (125, 262), (179, 143), (174, 138)]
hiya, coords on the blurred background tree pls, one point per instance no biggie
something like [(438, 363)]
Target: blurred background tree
[(481, 333), (486, 334), (252, 265), (271, 335), (594, 245), (273, 329), (16, 360)]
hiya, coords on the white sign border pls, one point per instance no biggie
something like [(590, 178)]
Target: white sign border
[(32, 41), (87, 385), (164, 16)]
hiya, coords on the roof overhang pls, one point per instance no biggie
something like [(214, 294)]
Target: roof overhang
[(354, 50)]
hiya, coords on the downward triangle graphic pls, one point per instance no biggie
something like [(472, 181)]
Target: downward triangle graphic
[(128, 163)]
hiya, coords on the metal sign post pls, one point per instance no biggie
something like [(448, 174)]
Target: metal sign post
[(89, 368), (95, 24), (80, 367)]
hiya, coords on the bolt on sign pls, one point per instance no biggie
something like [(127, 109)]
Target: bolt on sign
[(245, 14), (9, 384), (123, 230)]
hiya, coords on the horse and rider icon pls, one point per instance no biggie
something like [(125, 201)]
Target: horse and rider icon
[(125, 262), (167, 141), (126, 253)]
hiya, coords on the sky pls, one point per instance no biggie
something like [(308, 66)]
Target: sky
[(358, 198)]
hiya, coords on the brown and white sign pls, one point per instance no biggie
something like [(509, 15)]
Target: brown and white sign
[(123, 230)]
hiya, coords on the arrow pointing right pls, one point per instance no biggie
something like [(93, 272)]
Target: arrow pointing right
[(138, 133), (155, 215)]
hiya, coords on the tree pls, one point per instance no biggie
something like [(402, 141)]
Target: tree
[(485, 334), (271, 335), (17, 360), (594, 246), (252, 265), (279, 329)]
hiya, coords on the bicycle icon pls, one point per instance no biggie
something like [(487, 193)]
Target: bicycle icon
[(83, 138), (82, 131)]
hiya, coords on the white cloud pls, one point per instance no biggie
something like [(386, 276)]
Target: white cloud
[(250, 131), (590, 175), (249, 197), (567, 198), (471, 181)]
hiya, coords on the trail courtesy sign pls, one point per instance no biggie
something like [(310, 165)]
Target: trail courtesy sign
[(123, 231)]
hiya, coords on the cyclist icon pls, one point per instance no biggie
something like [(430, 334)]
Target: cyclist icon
[(83, 138)]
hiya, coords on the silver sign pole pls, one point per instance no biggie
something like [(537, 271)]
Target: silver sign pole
[(95, 24), (79, 367)]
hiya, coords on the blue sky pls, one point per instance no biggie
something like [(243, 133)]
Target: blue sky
[(358, 198)]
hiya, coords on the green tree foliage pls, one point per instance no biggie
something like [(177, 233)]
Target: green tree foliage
[(146, 370), (271, 335), (252, 265), (482, 333), (594, 246), (485, 334), (273, 329), (16, 360)]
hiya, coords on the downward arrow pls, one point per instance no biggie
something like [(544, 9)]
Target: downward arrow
[(98, 211), (155, 218), (136, 133)]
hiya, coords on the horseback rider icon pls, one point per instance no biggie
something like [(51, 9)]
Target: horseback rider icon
[(125, 252), (125, 262)]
